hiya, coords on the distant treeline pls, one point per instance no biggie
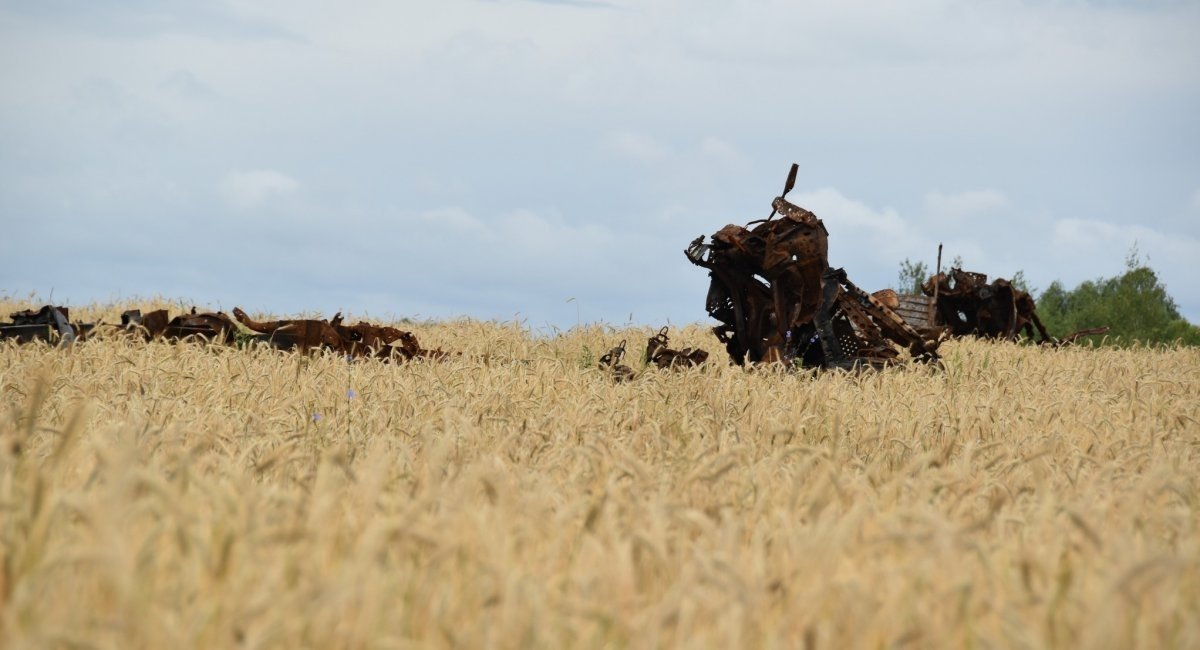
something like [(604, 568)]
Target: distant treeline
[(1134, 304)]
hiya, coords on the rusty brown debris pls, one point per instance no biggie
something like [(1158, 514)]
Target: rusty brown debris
[(302, 334), (50, 323), (380, 341), (215, 327), (611, 362), (778, 300), (968, 305), (361, 339), (659, 353)]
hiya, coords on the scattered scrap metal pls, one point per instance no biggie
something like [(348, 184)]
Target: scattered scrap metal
[(385, 342), (301, 334), (611, 363), (778, 300), (659, 353), (50, 323), (363, 339), (359, 340), (968, 305), (214, 327)]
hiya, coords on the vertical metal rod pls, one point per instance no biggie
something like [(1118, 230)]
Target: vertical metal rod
[(936, 284)]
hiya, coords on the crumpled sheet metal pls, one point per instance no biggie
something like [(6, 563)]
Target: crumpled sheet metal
[(359, 340), (660, 354), (777, 299), (303, 334), (610, 362), (51, 322), (968, 305), (381, 341), (215, 327)]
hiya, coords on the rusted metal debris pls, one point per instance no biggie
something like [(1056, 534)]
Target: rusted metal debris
[(385, 342), (778, 300), (968, 305), (1077, 334), (150, 324), (659, 353), (359, 340), (49, 323), (611, 363), (215, 327), (301, 334)]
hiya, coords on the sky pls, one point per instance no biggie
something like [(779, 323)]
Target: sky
[(547, 161)]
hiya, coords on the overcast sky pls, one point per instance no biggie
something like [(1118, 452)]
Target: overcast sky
[(550, 160)]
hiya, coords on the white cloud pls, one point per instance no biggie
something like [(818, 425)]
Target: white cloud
[(843, 214), (249, 189), (515, 241), (965, 204), (639, 147), (456, 219), (187, 85), (520, 238), (868, 242), (722, 153), (428, 183), (1109, 243), (677, 212)]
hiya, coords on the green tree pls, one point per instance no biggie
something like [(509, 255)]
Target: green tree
[(912, 276), (1019, 281), (1135, 305)]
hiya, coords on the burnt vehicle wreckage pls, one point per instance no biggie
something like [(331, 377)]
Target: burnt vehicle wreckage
[(50, 323), (363, 339), (771, 289), (209, 326), (777, 298), (966, 304)]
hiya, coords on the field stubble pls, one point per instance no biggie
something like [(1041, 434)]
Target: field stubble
[(158, 495)]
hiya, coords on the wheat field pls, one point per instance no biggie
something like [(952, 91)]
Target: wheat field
[(183, 496)]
